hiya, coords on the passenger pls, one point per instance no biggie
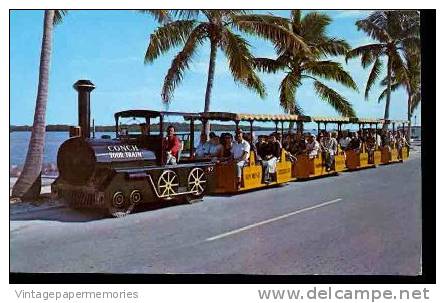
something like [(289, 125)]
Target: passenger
[(215, 147), (251, 139), (226, 151), (171, 146), (203, 148), (240, 153), (344, 141), (386, 140), (261, 147), (272, 153), (330, 146), (400, 144), (355, 144), (312, 147), (370, 145)]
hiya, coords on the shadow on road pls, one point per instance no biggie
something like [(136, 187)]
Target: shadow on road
[(66, 214)]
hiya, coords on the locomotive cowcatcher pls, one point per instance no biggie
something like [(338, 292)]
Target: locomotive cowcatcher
[(118, 174)]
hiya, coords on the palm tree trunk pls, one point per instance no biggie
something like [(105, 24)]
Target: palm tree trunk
[(211, 76), (388, 89), (32, 168)]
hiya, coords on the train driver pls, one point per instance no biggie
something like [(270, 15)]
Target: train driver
[(171, 146), (240, 152)]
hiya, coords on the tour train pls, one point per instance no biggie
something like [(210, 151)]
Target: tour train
[(118, 174)]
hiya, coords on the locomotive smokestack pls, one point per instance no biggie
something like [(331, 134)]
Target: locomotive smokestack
[(84, 87)]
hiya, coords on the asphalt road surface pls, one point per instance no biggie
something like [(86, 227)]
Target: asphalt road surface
[(365, 222)]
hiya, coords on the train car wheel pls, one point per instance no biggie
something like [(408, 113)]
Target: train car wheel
[(119, 206), (168, 185), (197, 182)]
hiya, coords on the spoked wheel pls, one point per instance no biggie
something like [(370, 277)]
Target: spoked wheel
[(168, 185), (197, 182), (119, 207)]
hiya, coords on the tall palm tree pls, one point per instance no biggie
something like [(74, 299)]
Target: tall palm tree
[(29, 181), (311, 65), (220, 28), (395, 33), (407, 77)]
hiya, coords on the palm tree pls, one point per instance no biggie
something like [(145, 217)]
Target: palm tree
[(310, 65), (396, 33), (407, 77), (29, 181), (219, 27)]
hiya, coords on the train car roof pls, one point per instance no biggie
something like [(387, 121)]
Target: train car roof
[(225, 116), (152, 114), (394, 121), (330, 119)]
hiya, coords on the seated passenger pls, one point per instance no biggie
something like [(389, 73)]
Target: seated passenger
[(400, 143), (330, 145), (312, 147), (240, 153), (215, 146), (261, 147), (355, 144), (272, 153), (386, 140), (203, 148), (344, 141), (171, 146), (226, 151)]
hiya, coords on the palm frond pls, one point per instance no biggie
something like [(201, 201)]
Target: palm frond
[(287, 89), (58, 15), (278, 34), (267, 65), (333, 47), (181, 62), (374, 31), (415, 100), (365, 50), (383, 94), (338, 102), (313, 26), (373, 75), (168, 36), (161, 15), (331, 71), (237, 51)]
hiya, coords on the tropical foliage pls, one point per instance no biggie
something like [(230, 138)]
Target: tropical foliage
[(221, 28), (311, 64), (397, 35)]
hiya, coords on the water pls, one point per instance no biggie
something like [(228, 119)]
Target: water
[(19, 144)]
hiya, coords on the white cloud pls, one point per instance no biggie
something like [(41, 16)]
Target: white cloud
[(352, 14)]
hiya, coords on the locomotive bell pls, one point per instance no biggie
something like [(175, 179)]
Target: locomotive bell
[(84, 88)]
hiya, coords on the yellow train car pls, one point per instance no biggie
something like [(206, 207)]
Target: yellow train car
[(224, 180)]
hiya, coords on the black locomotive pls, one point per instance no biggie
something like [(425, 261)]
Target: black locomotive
[(118, 174)]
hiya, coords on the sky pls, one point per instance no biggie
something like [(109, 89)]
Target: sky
[(108, 48)]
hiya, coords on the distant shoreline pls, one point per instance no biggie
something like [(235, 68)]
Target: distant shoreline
[(107, 128)]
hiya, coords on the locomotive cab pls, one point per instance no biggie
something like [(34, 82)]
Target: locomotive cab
[(118, 174)]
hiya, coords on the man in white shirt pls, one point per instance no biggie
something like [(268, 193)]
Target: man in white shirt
[(312, 147), (203, 148), (240, 153)]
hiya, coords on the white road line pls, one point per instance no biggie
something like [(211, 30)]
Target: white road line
[(247, 227)]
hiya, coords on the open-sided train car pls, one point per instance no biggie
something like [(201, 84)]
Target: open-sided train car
[(118, 174)]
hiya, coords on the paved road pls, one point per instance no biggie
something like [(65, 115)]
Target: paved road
[(366, 222)]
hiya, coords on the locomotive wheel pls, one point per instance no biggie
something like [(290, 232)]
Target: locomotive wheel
[(168, 184), (197, 182), (119, 207)]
